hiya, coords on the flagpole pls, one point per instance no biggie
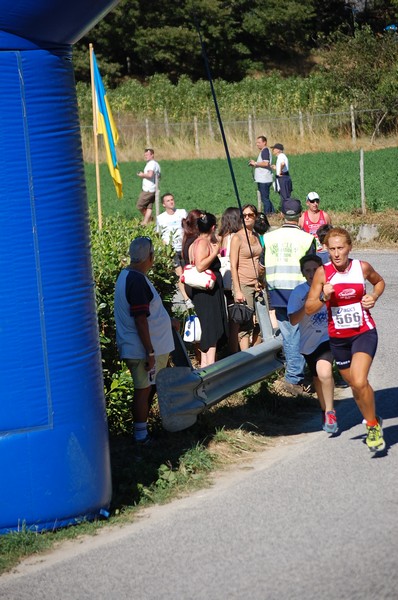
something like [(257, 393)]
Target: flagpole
[(97, 172)]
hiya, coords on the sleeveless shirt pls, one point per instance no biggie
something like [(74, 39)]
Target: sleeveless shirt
[(246, 271), (346, 315), (311, 227)]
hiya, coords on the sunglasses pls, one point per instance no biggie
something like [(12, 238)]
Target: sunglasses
[(312, 201), (151, 248), (248, 215)]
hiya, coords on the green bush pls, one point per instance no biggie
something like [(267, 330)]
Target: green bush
[(110, 255)]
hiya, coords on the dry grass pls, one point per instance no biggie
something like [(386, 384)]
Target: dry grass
[(131, 146), (386, 223)]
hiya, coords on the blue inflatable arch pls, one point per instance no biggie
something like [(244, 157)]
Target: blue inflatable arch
[(54, 453)]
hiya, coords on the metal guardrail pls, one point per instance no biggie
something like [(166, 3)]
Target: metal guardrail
[(183, 393)]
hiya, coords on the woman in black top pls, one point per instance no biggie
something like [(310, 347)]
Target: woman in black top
[(209, 304)]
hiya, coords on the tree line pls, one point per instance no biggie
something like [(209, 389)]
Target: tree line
[(243, 37)]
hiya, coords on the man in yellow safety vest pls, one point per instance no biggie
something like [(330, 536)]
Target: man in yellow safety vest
[(283, 248)]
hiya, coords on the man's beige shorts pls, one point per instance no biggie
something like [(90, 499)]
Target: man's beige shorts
[(138, 372), (145, 200)]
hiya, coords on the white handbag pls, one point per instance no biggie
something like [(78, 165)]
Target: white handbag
[(192, 329), (203, 280)]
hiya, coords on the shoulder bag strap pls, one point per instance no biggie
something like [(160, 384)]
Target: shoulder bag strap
[(193, 250)]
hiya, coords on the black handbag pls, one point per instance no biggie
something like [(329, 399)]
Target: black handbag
[(240, 312)]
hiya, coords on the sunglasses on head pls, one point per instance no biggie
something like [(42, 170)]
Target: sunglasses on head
[(146, 237)]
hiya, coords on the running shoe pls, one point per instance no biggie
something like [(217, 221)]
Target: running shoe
[(330, 425), (374, 440)]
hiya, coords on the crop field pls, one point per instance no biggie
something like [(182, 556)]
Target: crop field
[(207, 184)]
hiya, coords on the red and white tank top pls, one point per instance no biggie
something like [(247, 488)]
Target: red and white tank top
[(346, 316), (311, 227)]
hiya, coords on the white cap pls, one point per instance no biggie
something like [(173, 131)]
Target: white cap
[(312, 196)]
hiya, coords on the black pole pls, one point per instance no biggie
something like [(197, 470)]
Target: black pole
[(213, 93)]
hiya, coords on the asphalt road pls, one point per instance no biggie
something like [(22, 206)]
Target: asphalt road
[(316, 518)]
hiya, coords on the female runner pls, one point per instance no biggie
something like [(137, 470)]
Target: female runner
[(340, 283)]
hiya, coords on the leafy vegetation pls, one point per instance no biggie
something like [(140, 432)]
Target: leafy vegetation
[(359, 69), (242, 37), (295, 56), (110, 254)]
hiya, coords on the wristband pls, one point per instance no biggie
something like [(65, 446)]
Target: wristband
[(152, 353)]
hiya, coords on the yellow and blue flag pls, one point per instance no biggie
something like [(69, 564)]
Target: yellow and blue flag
[(106, 127)]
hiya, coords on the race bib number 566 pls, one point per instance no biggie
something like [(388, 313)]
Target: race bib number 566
[(345, 317)]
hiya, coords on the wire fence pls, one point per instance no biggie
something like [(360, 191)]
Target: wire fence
[(200, 134)]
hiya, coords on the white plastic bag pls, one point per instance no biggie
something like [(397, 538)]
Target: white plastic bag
[(192, 329)]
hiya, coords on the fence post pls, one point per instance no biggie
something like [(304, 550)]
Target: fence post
[(301, 124), (211, 131), (157, 195), (148, 141), (362, 180), (353, 131), (166, 124), (259, 203), (196, 132), (309, 124), (250, 129)]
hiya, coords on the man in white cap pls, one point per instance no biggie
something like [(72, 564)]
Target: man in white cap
[(283, 180), (313, 218), (283, 249), (143, 331)]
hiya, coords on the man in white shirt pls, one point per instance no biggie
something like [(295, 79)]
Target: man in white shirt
[(263, 173), (149, 176), (168, 224), (283, 181)]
